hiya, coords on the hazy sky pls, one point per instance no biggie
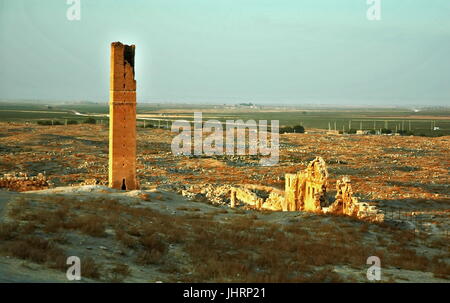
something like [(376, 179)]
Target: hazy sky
[(263, 51)]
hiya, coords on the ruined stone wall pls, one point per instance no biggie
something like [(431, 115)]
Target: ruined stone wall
[(313, 194), (122, 119), (248, 197), (272, 200), (306, 190), (316, 182), (346, 204), (291, 193), (22, 182)]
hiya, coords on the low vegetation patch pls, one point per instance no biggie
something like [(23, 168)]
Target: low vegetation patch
[(243, 248)]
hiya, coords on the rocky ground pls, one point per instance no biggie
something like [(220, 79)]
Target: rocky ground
[(158, 235)]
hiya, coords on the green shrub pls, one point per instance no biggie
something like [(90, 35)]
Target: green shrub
[(286, 129), (299, 129), (49, 122), (289, 129), (90, 121), (44, 122), (406, 132)]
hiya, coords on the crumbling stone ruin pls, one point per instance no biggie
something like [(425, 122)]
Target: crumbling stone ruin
[(22, 182), (304, 191), (307, 189), (253, 196), (346, 204), (122, 122), (259, 197)]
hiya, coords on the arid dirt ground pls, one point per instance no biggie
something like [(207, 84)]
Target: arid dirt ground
[(158, 235)]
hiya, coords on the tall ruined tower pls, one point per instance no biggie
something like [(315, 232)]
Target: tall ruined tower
[(122, 118)]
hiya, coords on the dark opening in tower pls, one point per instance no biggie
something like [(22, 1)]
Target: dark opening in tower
[(124, 186)]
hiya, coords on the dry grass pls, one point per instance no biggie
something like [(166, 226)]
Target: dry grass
[(154, 244), (92, 225), (184, 208), (149, 257), (126, 239), (221, 211), (32, 248), (89, 268), (58, 217), (251, 251), (244, 248), (121, 269), (441, 269), (119, 272), (7, 231)]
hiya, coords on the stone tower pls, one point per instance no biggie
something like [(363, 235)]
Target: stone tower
[(122, 118)]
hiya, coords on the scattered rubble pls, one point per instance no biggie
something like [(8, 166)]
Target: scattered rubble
[(92, 181), (22, 182), (348, 205)]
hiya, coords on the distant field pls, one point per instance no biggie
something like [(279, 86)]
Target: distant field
[(421, 122)]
